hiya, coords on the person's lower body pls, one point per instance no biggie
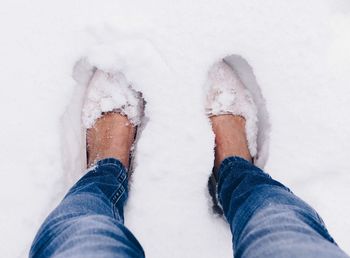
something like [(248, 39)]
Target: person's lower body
[(266, 219)]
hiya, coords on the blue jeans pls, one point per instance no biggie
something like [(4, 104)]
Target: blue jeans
[(266, 219)]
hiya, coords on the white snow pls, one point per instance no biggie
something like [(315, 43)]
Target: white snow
[(108, 92), (300, 55)]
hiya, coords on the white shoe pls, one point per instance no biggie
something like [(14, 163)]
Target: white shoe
[(230, 91), (109, 92)]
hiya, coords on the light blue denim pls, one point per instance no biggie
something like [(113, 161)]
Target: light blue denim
[(89, 220), (266, 219)]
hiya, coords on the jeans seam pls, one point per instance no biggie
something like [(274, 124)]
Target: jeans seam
[(117, 194)]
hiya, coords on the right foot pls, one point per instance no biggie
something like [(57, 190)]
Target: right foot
[(230, 138), (232, 112)]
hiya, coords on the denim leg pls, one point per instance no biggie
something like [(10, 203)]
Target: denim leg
[(89, 220), (267, 219)]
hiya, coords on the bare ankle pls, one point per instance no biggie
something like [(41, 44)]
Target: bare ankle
[(111, 137), (230, 138)]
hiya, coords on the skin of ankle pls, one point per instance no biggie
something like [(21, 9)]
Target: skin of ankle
[(111, 136), (230, 138)]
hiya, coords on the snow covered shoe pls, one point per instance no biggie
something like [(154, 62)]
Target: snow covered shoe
[(232, 89), (111, 92)]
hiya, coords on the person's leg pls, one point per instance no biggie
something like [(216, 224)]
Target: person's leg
[(266, 218), (89, 220)]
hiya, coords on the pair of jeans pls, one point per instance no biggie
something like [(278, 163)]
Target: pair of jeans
[(265, 217)]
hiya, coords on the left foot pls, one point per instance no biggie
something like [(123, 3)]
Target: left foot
[(111, 136), (111, 113)]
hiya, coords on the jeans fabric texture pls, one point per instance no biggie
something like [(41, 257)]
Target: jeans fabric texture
[(265, 217), (89, 220)]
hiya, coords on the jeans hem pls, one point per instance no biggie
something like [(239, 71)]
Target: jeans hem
[(233, 159), (110, 161)]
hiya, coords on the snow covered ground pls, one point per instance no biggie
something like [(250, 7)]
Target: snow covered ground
[(301, 57)]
